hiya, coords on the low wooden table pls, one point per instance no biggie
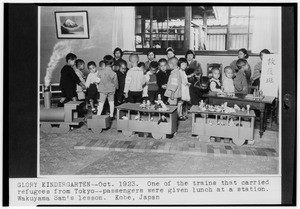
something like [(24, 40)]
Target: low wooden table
[(243, 101), (133, 113), (206, 124)]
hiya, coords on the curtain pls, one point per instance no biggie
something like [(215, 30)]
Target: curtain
[(266, 29), (123, 33)]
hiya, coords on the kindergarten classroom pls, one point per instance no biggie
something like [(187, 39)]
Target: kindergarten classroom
[(223, 134)]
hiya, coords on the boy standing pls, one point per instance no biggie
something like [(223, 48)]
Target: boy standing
[(68, 81), (152, 81), (135, 81), (107, 86), (173, 90), (91, 84), (162, 78), (79, 67), (121, 79)]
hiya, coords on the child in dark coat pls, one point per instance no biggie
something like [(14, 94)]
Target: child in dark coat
[(162, 78), (121, 79), (69, 80)]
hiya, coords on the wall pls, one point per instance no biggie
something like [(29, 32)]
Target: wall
[(99, 43), (94, 48)]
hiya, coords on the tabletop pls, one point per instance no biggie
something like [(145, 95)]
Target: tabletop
[(242, 97), (196, 109), (136, 107)]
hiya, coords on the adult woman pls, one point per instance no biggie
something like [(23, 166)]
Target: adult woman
[(118, 53), (194, 73), (257, 69), (170, 54), (242, 54)]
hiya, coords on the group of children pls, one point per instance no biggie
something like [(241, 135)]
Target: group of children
[(173, 79), (238, 76)]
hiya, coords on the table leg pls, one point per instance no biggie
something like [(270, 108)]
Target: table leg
[(265, 119), (261, 121)]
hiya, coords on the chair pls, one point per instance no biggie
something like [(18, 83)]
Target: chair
[(210, 66)]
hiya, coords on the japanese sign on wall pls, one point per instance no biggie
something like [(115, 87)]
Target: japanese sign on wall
[(270, 72)]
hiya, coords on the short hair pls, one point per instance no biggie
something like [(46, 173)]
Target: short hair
[(79, 62), (108, 60), (118, 49), (134, 55), (190, 52), (240, 63), (153, 64), (71, 56), (227, 68), (101, 62), (245, 52), (174, 60), (123, 62), (214, 69), (264, 51), (150, 51), (91, 63), (189, 71), (182, 60), (141, 64), (162, 60)]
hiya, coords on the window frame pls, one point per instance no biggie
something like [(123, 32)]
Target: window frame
[(228, 52)]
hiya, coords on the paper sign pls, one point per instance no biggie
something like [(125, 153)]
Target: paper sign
[(269, 81)]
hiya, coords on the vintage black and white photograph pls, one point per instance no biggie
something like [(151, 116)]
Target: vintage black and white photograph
[(72, 24), (159, 90)]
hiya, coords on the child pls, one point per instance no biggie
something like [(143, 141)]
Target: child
[(121, 79), (215, 83), (173, 90), (242, 54), (228, 86), (240, 81), (116, 66), (91, 84), (101, 65), (143, 67), (68, 81), (145, 87), (135, 81), (185, 91), (151, 57), (107, 86), (162, 78), (151, 81), (79, 67)]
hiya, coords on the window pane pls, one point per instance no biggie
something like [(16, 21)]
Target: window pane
[(167, 27), (215, 33), (212, 28)]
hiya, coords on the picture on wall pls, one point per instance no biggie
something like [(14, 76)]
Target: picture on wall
[(72, 25)]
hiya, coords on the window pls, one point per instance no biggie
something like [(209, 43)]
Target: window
[(210, 28), (230, 30), (160, 27)]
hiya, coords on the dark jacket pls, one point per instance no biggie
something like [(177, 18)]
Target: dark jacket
[(68, 79), (121, 80)]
